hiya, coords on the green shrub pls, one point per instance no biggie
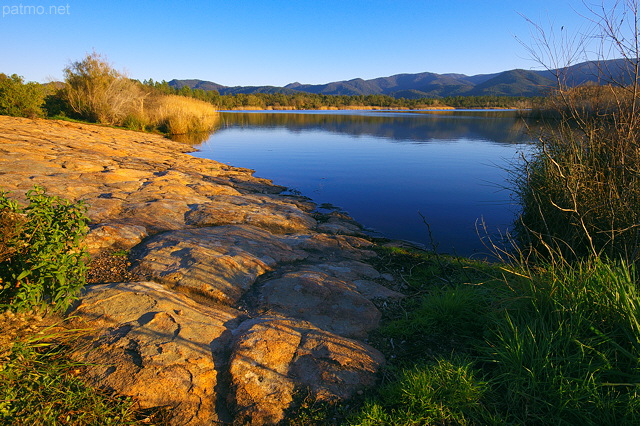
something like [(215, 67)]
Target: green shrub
[(20, 99), (41, 262), (55, 102)]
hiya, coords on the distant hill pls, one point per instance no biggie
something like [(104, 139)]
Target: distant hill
[(196, 84), (515, 82)]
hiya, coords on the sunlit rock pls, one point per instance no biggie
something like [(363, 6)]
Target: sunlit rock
[(326, 302), (272, 358), (157, 346), (219, 263)]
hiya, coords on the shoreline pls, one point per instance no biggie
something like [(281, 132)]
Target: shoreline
[(221, 261), (367, 108)]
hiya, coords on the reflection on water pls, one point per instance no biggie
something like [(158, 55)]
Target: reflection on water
[(386, 169), (419, 127), (193, 138)]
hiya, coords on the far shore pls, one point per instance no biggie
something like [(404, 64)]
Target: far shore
[(361, 108)]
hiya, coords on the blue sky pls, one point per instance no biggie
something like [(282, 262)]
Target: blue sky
[(275, 42)]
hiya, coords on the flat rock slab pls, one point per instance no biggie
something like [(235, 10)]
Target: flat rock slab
[(218, 264), (145, 179), (261, 211), (363, 278), (114, 237), (327, 302), (273, 358), (324, 248), (157, 346)]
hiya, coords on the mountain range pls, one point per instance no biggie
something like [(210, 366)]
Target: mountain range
[(516, 82)]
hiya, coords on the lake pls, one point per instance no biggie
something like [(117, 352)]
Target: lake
[(386, 169)]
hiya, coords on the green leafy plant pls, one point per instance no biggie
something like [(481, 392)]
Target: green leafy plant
[(41, 260), (20, 99)]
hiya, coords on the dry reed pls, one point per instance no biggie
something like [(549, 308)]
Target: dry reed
[(178, 115)]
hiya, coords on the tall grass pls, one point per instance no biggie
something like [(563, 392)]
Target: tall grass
[(545, 345), (442, 392), (39, 385), (565, 349), (179, 115), (580, 190)]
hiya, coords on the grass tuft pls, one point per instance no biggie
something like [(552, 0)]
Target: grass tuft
[(39, 385), (444, 392)]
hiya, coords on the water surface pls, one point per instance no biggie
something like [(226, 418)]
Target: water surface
[(386, 169)]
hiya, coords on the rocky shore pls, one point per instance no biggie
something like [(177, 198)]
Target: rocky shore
[(235, 299)]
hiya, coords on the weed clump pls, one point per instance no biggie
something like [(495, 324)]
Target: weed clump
[(42, 263)]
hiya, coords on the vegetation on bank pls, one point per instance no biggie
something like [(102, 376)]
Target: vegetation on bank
[(484, 344), (94, 91), (42, 268), (580, 194)]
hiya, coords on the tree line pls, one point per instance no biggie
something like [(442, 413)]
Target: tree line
[(304, 100)]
